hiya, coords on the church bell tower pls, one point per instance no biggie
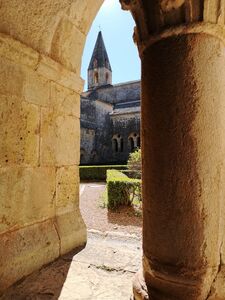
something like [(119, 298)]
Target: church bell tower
[(99, 70)]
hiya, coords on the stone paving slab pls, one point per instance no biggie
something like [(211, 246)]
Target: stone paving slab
[(102, 271), (95, 283)]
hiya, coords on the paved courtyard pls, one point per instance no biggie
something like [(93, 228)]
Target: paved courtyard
[(102, 271)]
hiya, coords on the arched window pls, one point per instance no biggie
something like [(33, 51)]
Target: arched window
[(115, 145), (138, 142), (106, 77), (96, 77), (134, 141), (131, 143)]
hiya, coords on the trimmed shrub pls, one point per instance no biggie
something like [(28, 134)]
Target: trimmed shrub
[(121, 189), (97, 173)]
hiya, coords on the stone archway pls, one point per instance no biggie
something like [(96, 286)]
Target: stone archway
[(41, 44), (182, 130)]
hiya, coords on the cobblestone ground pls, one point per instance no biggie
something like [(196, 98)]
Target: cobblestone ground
[(102, 271)]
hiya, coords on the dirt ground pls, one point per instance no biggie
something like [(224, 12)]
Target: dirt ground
[(124, 219)]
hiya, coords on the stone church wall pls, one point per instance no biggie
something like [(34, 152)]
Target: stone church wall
[(97, 116), (120, 92), (124, 125), (87, 149), (95, 126)]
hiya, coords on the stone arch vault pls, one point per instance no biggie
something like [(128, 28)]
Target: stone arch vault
[(181, 45), (41, 44)]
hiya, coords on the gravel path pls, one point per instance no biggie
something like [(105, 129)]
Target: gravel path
[(99, 218)]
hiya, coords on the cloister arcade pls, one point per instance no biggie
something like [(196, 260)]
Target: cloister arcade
[(182, 50)]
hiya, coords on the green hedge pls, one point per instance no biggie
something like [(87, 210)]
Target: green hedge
[(97, 173), (121, 189)]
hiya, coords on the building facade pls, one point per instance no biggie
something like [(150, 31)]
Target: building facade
[(110, 114)]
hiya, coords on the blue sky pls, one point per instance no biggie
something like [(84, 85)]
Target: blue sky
[(117, 29)]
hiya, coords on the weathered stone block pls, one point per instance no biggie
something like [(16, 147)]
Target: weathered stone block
[(12, 77), (17, 52), (68, 39), (67, 189), (19, 129), (37, 89), (60, 139), (34, 23), (27, 195), (71, 230), (81, 13), (54, 71), (65, 100), (25, 250)]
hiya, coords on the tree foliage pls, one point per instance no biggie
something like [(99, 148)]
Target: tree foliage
[(134, 163)]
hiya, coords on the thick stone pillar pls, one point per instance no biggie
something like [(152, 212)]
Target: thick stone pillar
[(183, 144)]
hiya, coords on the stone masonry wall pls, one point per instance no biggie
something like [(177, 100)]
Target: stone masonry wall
[(96, 115), (95, 132), (39, 158), (101, 77), (118, 93), (124, 125), (87, 145)]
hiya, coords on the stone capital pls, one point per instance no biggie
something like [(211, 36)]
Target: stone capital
[(154, 17)]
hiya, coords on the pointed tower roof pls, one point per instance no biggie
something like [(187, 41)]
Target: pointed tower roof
[(100, 55)]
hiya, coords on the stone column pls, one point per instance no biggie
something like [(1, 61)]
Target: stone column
[(135, 141), (182, 49)]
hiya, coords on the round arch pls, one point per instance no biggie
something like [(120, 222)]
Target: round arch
[(41, 45), (54, 28)]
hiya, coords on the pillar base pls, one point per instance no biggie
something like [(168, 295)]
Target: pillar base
[(217, 291), (139, 287)]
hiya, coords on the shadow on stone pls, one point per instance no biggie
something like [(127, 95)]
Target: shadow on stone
[(45, 284)]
